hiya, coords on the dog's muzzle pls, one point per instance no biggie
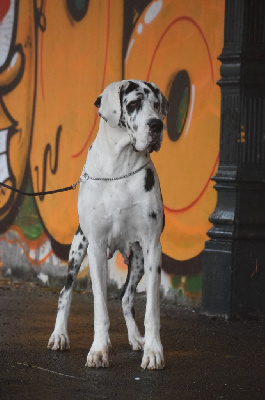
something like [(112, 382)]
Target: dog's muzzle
[(155, 131)]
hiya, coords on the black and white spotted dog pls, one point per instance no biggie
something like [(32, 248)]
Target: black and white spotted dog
[(120, 208)]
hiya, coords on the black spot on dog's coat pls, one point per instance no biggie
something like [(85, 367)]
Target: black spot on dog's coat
[(71, 264), (80, 246), (154, 90), (79, 230), (132, 86), (69, 278), (122, 123), (69, 281), (128, 275), (153, 215), (149, 180)]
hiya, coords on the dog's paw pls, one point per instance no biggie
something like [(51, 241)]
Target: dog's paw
[(137, 342), (153, 359), (97, 359), (59, 341)]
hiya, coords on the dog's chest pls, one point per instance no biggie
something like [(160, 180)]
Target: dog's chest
[(117, 213)]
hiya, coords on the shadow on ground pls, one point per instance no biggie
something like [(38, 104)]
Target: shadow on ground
[(205, 358)]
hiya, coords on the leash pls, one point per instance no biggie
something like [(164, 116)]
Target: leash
[(72, 187), (84, 177)]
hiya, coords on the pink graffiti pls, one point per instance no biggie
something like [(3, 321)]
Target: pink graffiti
[(4, 7)]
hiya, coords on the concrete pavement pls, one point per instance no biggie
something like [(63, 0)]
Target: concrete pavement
[(205, 358)]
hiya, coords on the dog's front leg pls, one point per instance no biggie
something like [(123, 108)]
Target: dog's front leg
[(98, 354), (59, 339), (153, 351)]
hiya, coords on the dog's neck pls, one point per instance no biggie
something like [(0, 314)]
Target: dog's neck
[(112, 154)]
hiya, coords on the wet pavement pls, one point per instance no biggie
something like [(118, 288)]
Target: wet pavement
[(205, 358)]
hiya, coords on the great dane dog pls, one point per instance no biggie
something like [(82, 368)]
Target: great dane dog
[(120, 208)]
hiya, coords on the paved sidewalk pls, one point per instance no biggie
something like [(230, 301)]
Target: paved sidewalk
[(205, 358)]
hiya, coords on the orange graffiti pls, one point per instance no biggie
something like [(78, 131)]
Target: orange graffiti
[(74, 65), (54, 64), (181, 57), (28, 245)]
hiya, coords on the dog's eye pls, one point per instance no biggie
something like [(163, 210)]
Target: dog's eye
[(156, 105), (134, 105)]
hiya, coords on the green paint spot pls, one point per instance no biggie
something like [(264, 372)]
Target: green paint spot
[(180, 292), (175, 281), (193, 284), (27, 219), (183, 110), (179, 99), (80, 4)]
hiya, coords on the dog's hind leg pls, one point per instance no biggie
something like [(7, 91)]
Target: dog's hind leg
[(59, 339), (135, 273)]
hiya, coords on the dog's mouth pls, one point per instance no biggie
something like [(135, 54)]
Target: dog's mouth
[(155, 127), (154, 144), (154, 132), (154, 147)]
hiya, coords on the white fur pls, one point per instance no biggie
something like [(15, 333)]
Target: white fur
[(125, 215)]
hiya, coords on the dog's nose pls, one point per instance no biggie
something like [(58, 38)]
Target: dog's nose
[(155, 125)]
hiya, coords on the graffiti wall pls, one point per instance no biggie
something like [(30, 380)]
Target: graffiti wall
[(55, 58)]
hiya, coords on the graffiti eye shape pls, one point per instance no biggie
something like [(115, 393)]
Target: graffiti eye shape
[(77, 8), (179, 99)]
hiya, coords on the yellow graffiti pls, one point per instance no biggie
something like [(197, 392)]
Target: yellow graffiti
[(184, 40)]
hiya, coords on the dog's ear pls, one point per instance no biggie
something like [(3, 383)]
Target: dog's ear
[(164, 104), (108, 104)]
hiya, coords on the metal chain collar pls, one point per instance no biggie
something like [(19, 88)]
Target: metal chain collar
[(85, 177)]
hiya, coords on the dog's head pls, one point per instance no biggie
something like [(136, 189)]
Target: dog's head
[(138, 107)]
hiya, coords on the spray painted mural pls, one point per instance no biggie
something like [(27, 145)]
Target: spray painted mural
[(54, 61)]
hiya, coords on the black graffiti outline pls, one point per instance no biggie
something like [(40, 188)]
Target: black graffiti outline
[(5, 89), (53, 169)]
